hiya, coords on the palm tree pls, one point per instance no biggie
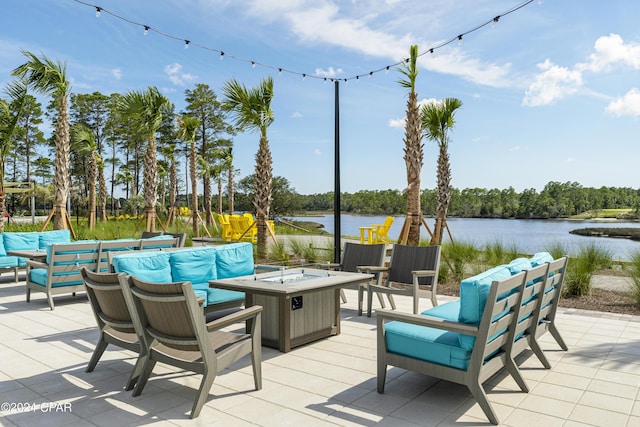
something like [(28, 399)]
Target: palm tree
[(17, 92), (413, 148), (148, 107), (437, 119), (84, 143), (251, 110), (188, 130), (50, 78)]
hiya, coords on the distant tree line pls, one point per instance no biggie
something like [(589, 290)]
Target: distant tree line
[(556, 200)]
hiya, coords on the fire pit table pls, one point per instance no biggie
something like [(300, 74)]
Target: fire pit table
[(300, 305)]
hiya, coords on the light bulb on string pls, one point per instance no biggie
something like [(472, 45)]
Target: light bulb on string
[(460, 40), (431, 52), (221, 56), (146, 30), (387, 70), (304, 76), (98, 10), (495, 21), (186, 44), (253, 64)]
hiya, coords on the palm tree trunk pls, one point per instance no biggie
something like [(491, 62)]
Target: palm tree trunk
[(173, 187), (102, 194), (150, 178), (413, 159), (443, 192), (263, 196), (194, 190), (219, 196), (231, 191), (61, 172), (206, 195), (91, 178)]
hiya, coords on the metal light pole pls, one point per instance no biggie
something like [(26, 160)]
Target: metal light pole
[(336, 176)]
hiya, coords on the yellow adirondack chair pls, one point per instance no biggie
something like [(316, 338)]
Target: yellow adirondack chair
[(380, 232), (225, 224)]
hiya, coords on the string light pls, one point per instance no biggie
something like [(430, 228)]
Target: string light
[(493, 21)]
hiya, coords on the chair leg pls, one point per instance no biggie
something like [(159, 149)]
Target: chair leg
[(478, 392), (28, 294), (382, 304), (391, 301), (15, 274), (556, 335), (256, 361), (135, 373), (343, 297), (50, 299), (512, 368), (537, 350), (203, 392), (147, 368), (360, 298), (369, 301), (382, 375), (97, 354)]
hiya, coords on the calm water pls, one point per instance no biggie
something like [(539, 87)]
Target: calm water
[(529, 236)]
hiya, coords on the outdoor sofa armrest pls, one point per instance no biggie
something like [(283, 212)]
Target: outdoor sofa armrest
[(372, 269), (423, 320), (423, 273), (239, 316), (36, 264)]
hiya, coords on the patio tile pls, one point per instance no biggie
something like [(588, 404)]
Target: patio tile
[(328, 382)]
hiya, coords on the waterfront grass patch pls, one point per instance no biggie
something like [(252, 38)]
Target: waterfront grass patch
[(589, 259), (634, 271)]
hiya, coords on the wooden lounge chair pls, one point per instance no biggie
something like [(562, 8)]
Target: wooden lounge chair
[(113, 319), (411, 267), (355, 256), (546, 313), (171, 329), (380, 232), (454, 351)]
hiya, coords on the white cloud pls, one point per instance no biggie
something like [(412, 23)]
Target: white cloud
[(317, 152), (176, 76), (296, 115), (556, 82), (627, 105), (330, 72), (515, 148), (553, 83), (571, 160), (397, 123), (117, 73), (611, 50), (337, 24)]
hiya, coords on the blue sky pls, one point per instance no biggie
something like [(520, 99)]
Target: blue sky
[(550, 93)]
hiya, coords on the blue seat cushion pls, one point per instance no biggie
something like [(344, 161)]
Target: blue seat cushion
[(540, 258), (21, 241), (8, 261), (234, 259), (3, 251), (474, 291), (148, 266), (218, 296), (47, 238), (160, 245), (424, 343), (195, 265), (40, 276)]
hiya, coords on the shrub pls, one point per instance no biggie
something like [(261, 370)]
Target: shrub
[(634, 272), (496, 253), (459, 257), (580, 270)]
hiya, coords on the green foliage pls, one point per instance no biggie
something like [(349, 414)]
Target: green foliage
[(634, 271), (460, 257), (589, 258), (496, 253), (278, 252), (557, 250), (134, 205)]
